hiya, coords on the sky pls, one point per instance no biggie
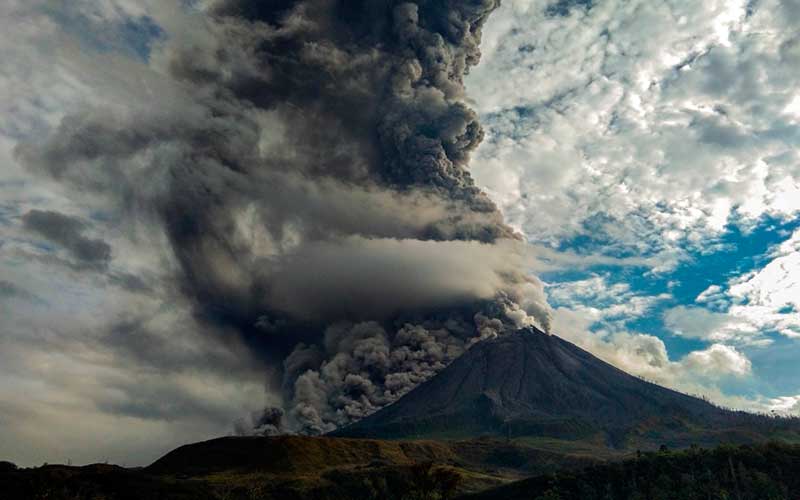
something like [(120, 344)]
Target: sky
[(646, 153), (665, 133)]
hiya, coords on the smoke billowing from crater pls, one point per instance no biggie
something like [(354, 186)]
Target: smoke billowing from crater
[(310, 176)]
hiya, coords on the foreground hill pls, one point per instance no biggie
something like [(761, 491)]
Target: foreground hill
[(295, 468), (531, 385), (303, 463), (761, 472)]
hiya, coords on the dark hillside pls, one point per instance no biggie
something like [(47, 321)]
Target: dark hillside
[(763, 472), (296, 467)]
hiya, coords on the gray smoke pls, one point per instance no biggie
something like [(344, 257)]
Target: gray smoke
[(365, 366), (268, 422), (68, 232), (309, 172)]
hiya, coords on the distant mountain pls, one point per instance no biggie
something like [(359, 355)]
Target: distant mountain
[(535, 385)]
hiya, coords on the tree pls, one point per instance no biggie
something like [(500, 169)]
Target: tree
[(427, 482), (551, 494), (7, 467)]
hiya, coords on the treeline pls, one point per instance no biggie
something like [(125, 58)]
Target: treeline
[(424, 481), (763, 472), (760, 472)]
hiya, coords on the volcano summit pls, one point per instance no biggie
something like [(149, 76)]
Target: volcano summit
[(532, 384)]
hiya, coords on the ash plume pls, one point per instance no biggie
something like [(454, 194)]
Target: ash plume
[(310, 175)]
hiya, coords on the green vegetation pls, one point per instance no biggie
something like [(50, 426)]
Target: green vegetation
[(7, 467), (763, 472), (424, 481), (97, 482), (295, 468)]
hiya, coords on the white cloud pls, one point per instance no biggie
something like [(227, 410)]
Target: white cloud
[(602, 301), (718, 359), (699, 323), (647, 125), (784, 405), (646, 356), (594, 313), (770, 297), (749, 306)]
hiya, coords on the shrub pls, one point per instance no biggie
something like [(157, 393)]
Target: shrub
[(7, 467)]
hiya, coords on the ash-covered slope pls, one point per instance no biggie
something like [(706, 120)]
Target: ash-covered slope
[(533, 384)]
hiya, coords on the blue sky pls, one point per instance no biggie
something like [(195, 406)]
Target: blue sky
[(133, 35), (739, 253)]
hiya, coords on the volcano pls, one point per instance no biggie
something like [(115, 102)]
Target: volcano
[(525, 405), (532, 384)]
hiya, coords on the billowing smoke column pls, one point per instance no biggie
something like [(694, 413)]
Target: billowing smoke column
[(310, 177)]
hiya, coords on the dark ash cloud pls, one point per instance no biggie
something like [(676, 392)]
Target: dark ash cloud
[(312, 174), (67, 232)]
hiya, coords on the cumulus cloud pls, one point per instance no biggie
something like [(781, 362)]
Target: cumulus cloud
[(601, 300), (643, 136), (698, 372), (597, 314), (747, 308), (784, 405), (769, 298), (718, 359), (700, 323)]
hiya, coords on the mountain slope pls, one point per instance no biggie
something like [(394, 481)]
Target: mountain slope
[(532, 384)]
